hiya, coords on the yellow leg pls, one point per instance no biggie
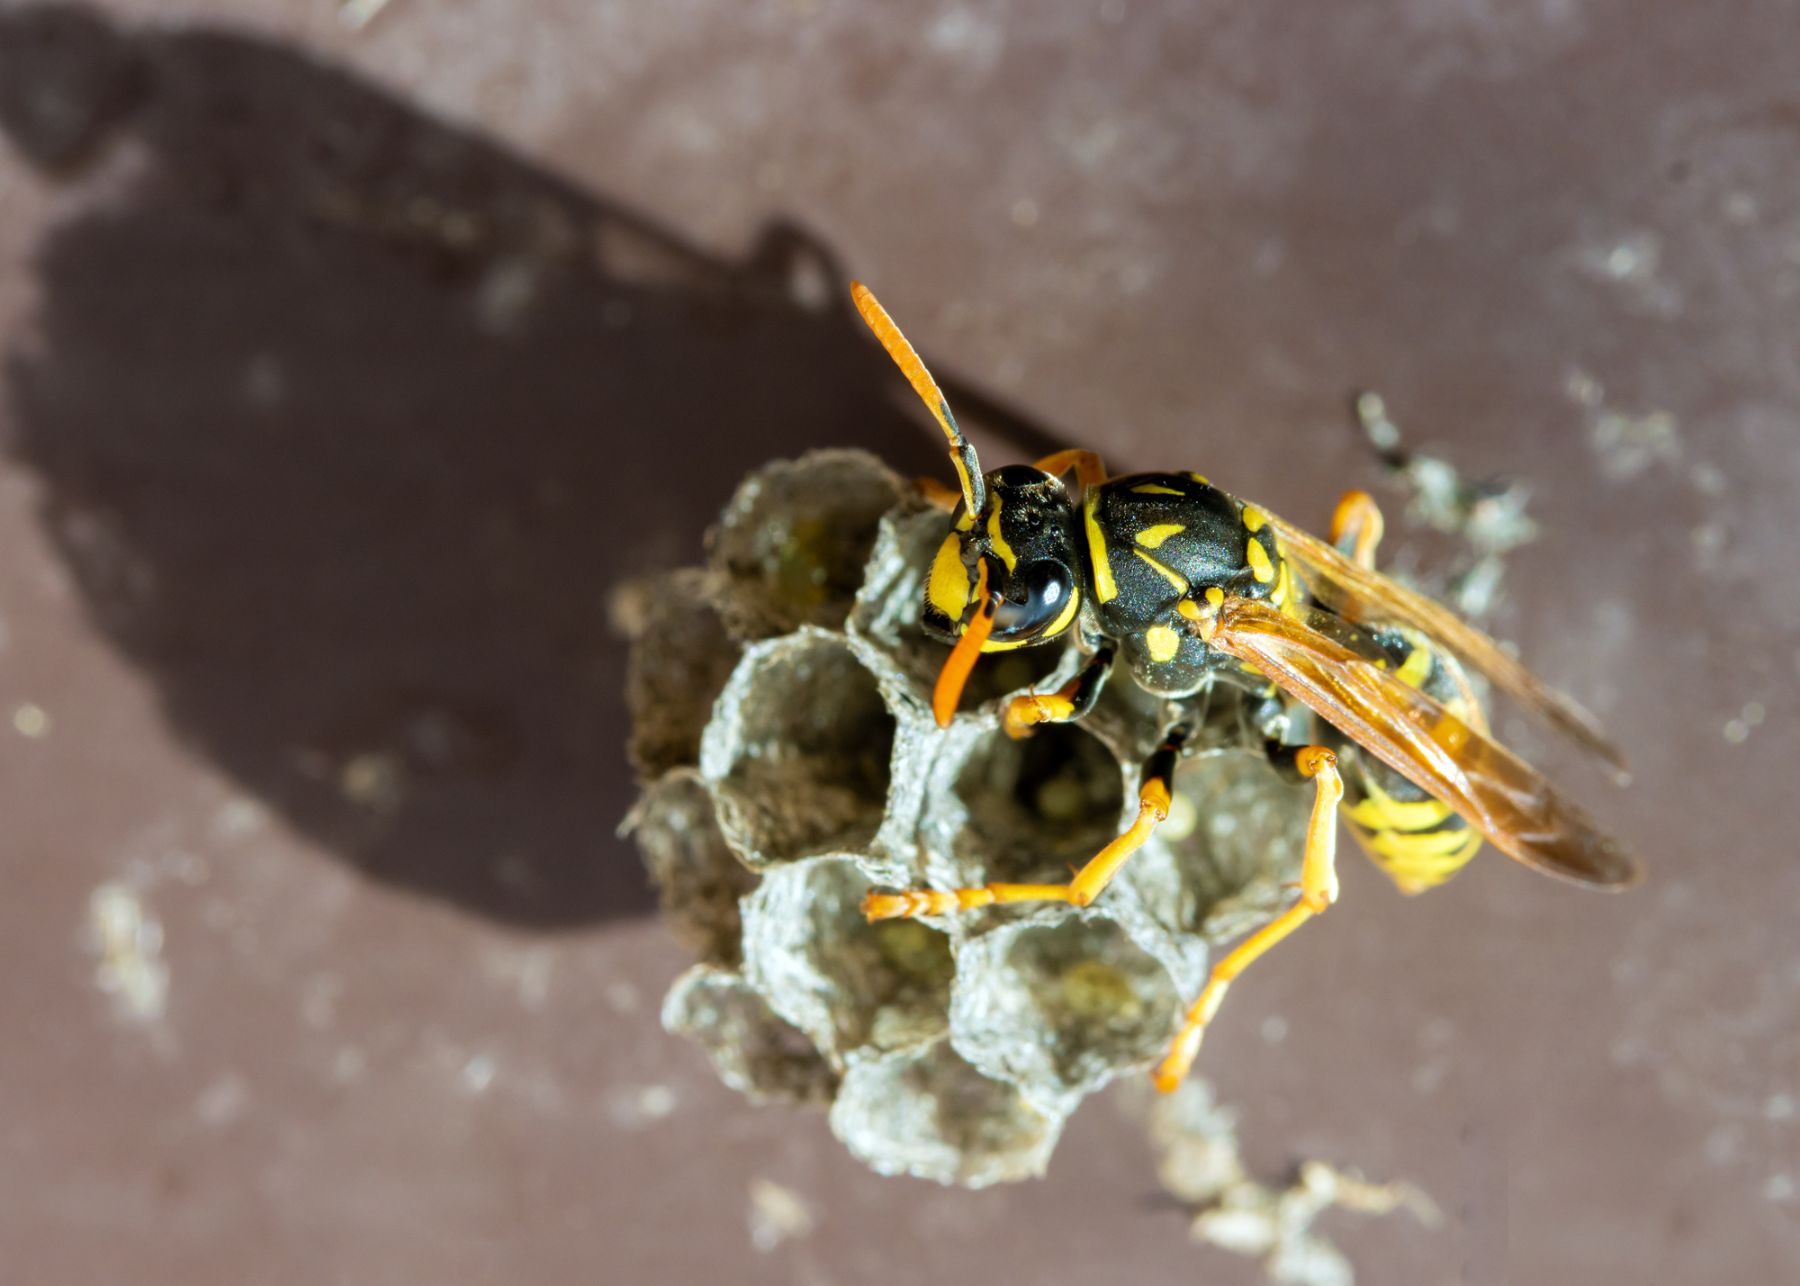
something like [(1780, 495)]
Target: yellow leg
[(1071, 701), (937, 495), (1153, 809), (1318, 890), (1357, 519), (1089, 471)]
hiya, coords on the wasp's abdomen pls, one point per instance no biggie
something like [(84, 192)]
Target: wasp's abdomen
[(1419, 840)]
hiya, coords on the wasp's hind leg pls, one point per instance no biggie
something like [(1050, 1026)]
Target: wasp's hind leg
[(1153, 809), (1356, 527), (1318, 890), (1070, 702)]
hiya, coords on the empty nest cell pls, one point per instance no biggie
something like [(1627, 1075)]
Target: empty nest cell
[(1061, 1003), (929, 1114), (792, 543), (848, 984), (799, 762)]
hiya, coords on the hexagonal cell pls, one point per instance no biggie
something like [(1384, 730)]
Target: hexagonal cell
[(929, 1114), (698, 878), (753, 1051), (888, 609), (1234, 838), (848, 984), (1062, 1004), (1026, 811), (798, 757), (791, 545), (680, 659)]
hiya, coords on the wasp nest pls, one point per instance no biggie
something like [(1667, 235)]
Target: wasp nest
[(783, 732)]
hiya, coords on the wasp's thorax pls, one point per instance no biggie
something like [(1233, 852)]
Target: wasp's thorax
[(1026, 533)]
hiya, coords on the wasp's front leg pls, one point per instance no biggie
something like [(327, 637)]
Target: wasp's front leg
[(1153, 809), (1070, 702)]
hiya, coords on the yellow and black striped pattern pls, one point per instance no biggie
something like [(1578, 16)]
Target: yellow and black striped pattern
[(1417, 839)]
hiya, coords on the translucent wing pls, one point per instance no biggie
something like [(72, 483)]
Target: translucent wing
[(1484, 782), (1370, 598)]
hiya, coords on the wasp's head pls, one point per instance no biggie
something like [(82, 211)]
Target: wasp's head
[(1025, 539), (1005, 576)]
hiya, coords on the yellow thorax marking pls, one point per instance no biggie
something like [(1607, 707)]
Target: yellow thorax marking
[(1168, 573), (1163, 642), (1254, 519), (1156, 489), (1153, 537), (1258, 557), (1105, 587)]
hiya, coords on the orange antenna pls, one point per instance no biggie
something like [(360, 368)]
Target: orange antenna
[(962, 455)]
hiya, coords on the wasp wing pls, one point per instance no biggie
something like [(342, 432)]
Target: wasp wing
[(1368, 597), (1485, 783)]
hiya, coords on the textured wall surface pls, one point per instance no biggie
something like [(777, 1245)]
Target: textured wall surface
[(351, 357)]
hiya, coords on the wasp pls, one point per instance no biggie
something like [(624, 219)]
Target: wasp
[(1189, 587)]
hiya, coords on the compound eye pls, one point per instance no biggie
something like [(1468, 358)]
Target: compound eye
[(1036, 596)]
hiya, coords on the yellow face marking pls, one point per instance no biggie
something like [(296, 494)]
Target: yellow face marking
[(1254, 519), (1163, 643), (1258, 558), (948, 588), (1168, 573), (998, 541), (1156, 489), (1415, 668), (1105, 587), (1153, 537)]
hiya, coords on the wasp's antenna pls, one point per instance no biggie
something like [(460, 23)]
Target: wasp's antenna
[(962, 455)]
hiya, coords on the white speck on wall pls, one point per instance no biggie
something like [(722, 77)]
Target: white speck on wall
[(478, 1073), (777, 1214), (31, 721), (265, 384), (969, 36), (632, 1107), (127, 938), (1633, 263), (237, 818), (223, 1101), (1629, 444), (1779, 1188)]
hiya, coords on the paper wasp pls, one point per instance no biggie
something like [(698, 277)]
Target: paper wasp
[(1191, 587)]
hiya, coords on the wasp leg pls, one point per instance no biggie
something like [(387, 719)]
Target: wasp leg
[(1153, 808), (1089, 472), (1318, 890), (1356, 527), (1070, 702)]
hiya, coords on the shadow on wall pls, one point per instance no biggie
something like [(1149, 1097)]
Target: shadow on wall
[(350, 420)]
